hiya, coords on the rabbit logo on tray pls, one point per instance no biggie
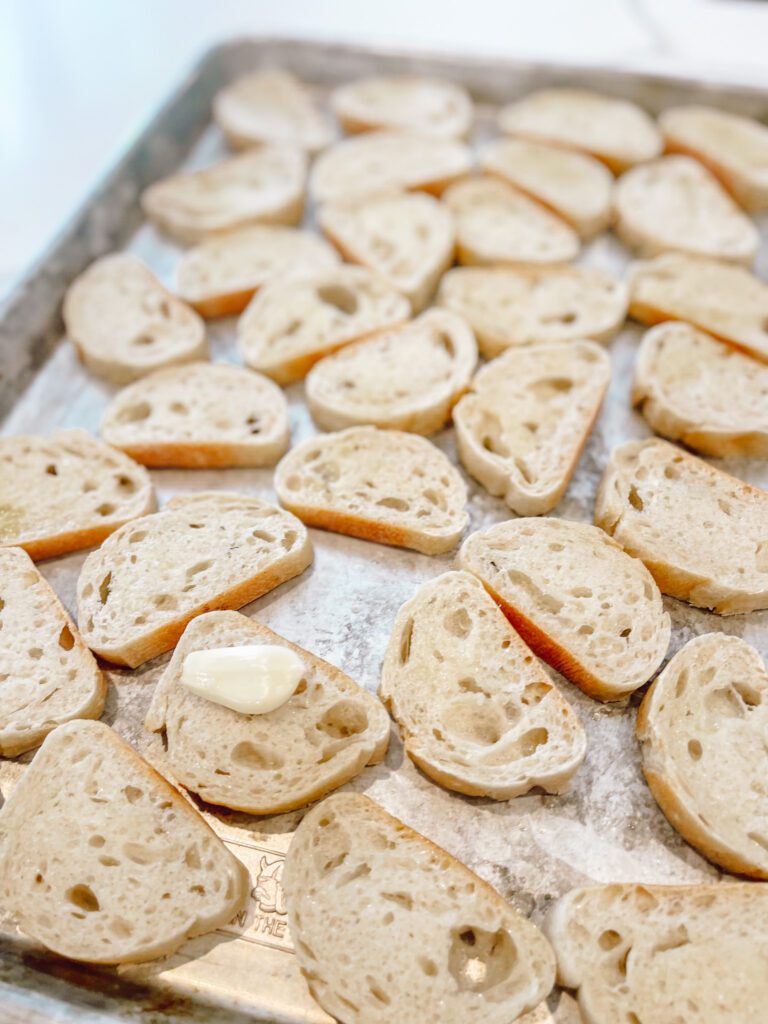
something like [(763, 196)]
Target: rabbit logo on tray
[(264, 918)]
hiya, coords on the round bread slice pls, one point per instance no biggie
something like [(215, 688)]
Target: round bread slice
[(413, 102), (124, 323), (702, 728), (477, 712), (324, 735), (675, 204), (381, 485), (204, 415), (407, 378), (579, 601), (354, 874)]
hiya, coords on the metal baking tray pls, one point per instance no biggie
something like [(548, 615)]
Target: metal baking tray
[(533, 849)]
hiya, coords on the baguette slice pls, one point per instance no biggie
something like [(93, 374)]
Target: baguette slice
[(691, 387), (200, 416), (496, 223), (408, 378), (734, 148), (573, 185), (66, 492), (48, 674), (523, 426), (675, 204), (702, 728), (262, 186), (324, 735), (577, 600), (124, 323), (291, 324), (662, 954), (618, 133), (724, 300), (136, 594), (702, 533), (512, 306), (477, 712), (271, 106), (101, 860), (428, 939), (220, 276), (410, 102), (381, 485)]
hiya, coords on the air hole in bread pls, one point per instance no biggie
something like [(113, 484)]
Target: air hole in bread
[(254, 424), (83, 897), (609, 939), (468, 685), (293, 483), (435, 498), (402, 899), (97, 841), (339, 297), (635, 500), (458, 623), (478, 960), (199, 567), (104, 588), (446, 342), (109, 862), (35, 653), (626, 633), (761, 557), (192, 857), (138, 536), (249, 755), (429, 967), (376, 991), (581, 591), (759, 838), (105, 509), (682, 681), (493, 443), (396, 503), (179, 408), (532, 740), (751, 697), (724, 702), (694, 750), (405, 641), (165, 602), (586, 629), (480, 723), (549, 385), (343, 720), (132, 794), (361, 871), (139, 853), (534, 693), (144, 339), (51, 469)]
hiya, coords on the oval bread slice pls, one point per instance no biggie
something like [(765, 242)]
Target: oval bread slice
[(124, 323), (413, 102), (136, 594), (381, 485), (577, 600), (324, 734), (477, 712), (462, 952), (407, 378)]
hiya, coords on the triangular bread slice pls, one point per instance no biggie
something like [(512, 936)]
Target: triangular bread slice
[(199, 416), (354, 874), (124, 323), (477, 712), (102, 860), (690, 387), (573, 185), (271, 106), (264, 185), (664, 953), (66, 492), (434, 106), (406, 237), (407, 378), (498, 224), (618, 133), (675, 204), (702, 728), (48, 674), (292, 323), (702, 533), (324, 735), (381, 485), (510, 306), (579, 601), (523, 426), (220, 276), (204, 551)]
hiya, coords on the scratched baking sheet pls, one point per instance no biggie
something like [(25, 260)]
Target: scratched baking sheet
[(533, 849)]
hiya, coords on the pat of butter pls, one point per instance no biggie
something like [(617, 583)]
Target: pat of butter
[(251, 680)]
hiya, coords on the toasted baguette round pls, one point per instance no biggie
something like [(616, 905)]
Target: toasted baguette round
[(199, 416), (205, 551), (381, 485), (412, 102), (577, 600), (388, 927), (124, 323), (407, 378), (102, 861)]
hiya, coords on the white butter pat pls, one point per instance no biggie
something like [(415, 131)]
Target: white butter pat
[(252, 680)]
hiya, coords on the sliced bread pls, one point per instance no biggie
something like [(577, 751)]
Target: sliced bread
[(66, 492), (199, 416), (702, 728), (407, 378), (702, 533), (413, 102), (124, 323), (101, 860), (388, 927), (381, 485), (477, 712), (577, 600), (523, 426), (324, 735), (136, 594)]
